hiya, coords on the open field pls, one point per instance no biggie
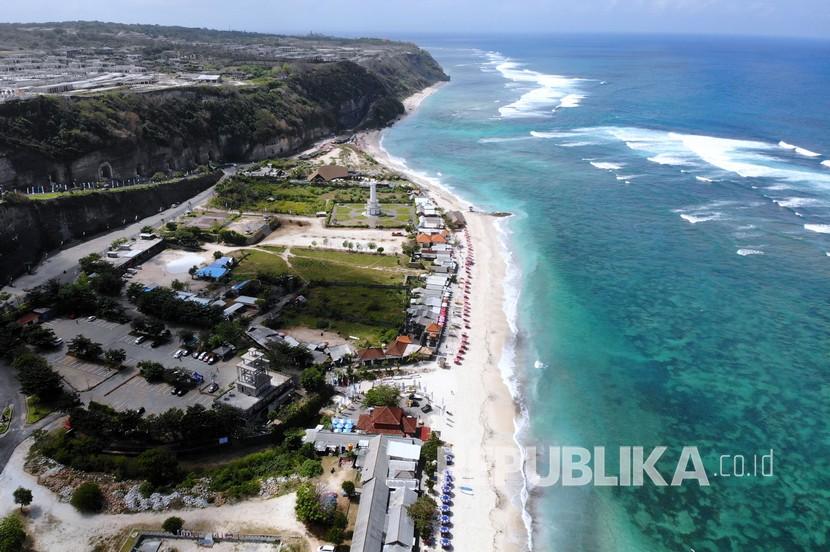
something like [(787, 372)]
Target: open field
[(311, 232), (296, 197), (394, 215), (354, 294)]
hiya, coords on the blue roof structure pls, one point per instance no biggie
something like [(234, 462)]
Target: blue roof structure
[(212, 272)]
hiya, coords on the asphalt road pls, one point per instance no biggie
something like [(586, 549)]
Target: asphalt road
[(18, 431), (63, 265)]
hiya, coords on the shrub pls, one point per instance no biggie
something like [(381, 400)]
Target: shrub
[(173, 524), (382, 395), (88, 498), (311, 468), (348, 488), (12, 534)]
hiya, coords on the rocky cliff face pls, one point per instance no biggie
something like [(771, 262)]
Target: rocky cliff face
[(121, 135), (31, 228)]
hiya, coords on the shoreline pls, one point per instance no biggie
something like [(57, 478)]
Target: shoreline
[(486, 407)]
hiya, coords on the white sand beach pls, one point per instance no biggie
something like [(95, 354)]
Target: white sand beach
[(481, 425)]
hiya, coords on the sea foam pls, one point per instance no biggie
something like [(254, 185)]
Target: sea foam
[(606, 166), (745, 158), (546, 93), (747, 252), (819, 228), (801, 151)]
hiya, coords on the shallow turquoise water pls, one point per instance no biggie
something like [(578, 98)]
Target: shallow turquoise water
[(674, 268)]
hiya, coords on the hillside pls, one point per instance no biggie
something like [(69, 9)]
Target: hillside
[(277, 95)]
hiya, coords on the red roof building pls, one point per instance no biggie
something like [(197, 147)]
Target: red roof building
[(388, 420), (398, 347), (28, 319), (370, 355)]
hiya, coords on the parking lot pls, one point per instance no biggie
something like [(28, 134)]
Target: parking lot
[(126, 389)]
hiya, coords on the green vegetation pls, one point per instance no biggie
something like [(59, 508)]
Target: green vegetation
[(6, 419), (423, 513), (97, 426), (240, 478), (22, 496), (309, 508), (348, 488), (299, 197), (36, 410), (88, 498), (393, 215), (382, 395), (36, 377), (12, 533), (173, 524), (162, 303), (359, 294), (84, 348)]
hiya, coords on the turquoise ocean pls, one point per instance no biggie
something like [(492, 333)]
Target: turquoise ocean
[(670, 252)]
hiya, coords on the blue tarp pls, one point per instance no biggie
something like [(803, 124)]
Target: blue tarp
[(214, 272)]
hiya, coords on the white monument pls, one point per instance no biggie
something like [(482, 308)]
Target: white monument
[(372, 206)]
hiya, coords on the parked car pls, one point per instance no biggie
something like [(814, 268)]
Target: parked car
[(185, 352), (139, 340), (326, 548), (91, 319), (426, 408), (177, 354), (181, 391), (212, 388)]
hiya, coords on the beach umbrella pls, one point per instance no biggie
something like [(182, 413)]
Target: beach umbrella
[(446, 499), (446, 509), (445, 543), (445, 529), (445, 520)]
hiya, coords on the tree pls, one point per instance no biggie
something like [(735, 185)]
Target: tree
[(313, 378), (158, 466), (177, 285), (382, 395), (84, 348), (39, 336), (173, 524), (422, 512), (115, 357), (147, 229), (23, 497), (218, 255), (12, 534), (186, 336), (88, 498), (310, 468), (36, 377), (348, 488), (308, 508), (380, 250), (153, 372)]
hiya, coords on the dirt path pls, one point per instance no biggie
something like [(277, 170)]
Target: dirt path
[(57, 526)]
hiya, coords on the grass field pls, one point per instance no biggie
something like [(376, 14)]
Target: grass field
[(394, 215), (342, 292), (35, 411), (296, 197)]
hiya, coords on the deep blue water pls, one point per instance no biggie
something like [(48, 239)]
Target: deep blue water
[(673, 247)]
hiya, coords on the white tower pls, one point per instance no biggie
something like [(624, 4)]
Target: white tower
[(372, 206)]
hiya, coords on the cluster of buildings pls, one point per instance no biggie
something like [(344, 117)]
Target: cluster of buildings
[(26, 73), (429, 303), (390, 483), (322, 353)]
